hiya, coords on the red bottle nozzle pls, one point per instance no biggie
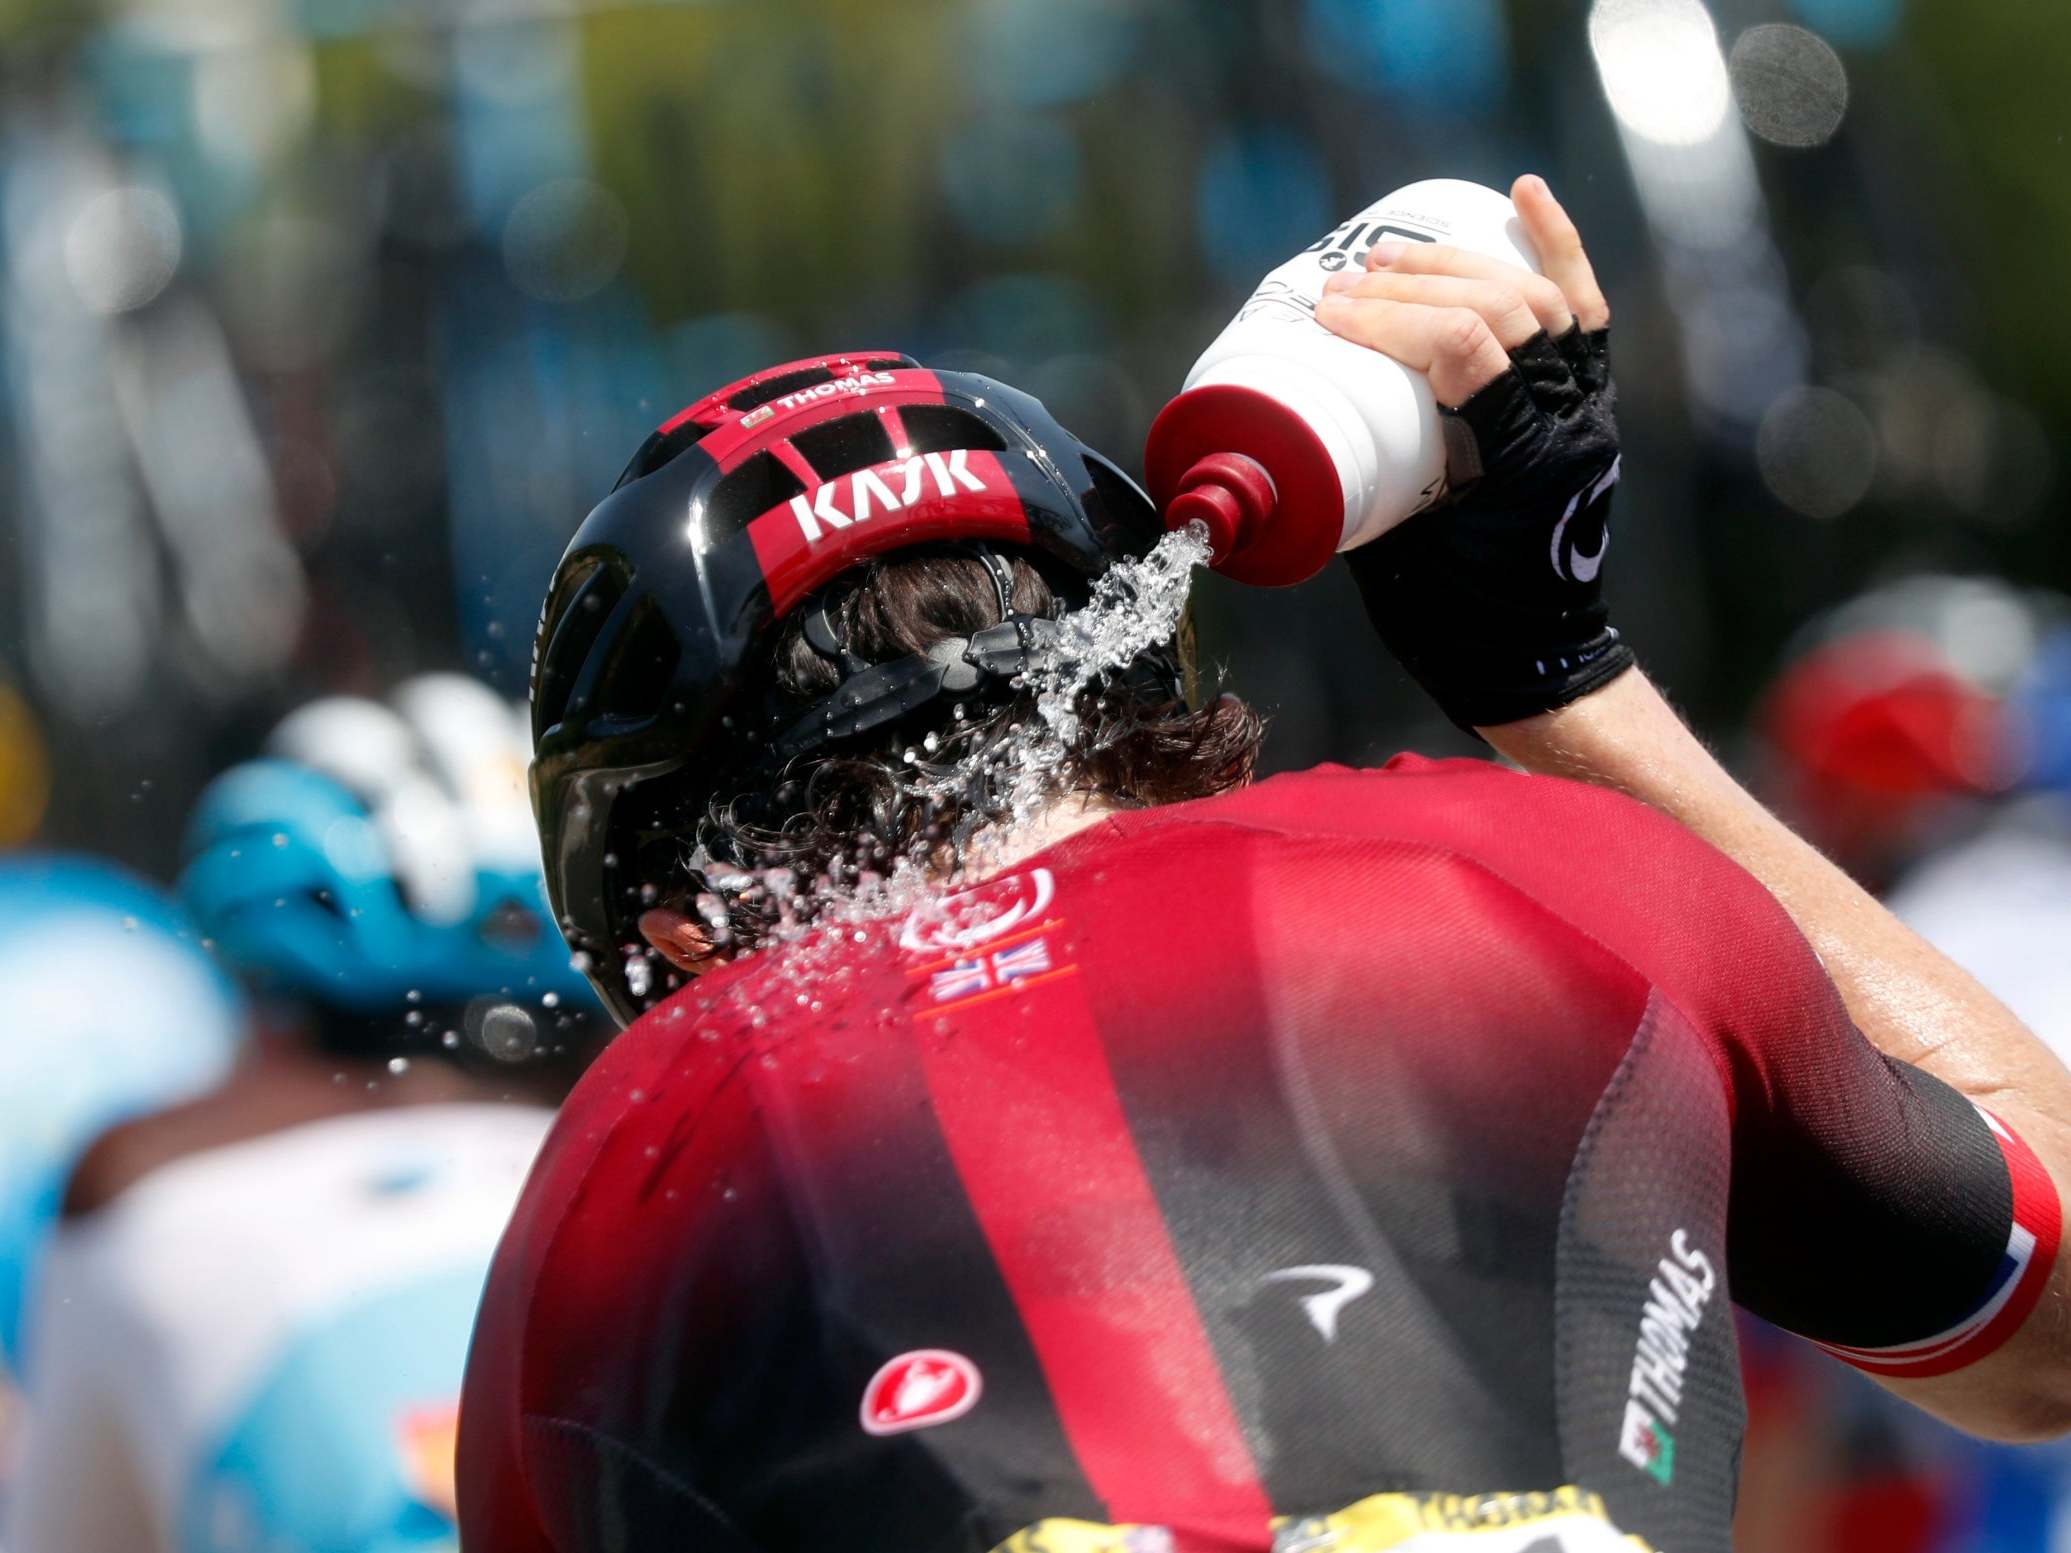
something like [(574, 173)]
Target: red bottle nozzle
[(1229, 493), (1251, 469)]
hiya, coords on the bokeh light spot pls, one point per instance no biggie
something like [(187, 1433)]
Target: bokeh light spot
[(1662, 70), (1816, 451), (565, 240), (1791, 86), (122, 248)]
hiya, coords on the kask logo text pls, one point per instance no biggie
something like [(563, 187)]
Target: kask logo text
[(889, 487)]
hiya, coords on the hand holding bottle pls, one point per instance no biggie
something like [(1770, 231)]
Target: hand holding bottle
[(1492, 598), (1291, 443), (1454, 313)]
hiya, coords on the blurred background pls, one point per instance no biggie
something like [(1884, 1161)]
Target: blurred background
[(323, 322)]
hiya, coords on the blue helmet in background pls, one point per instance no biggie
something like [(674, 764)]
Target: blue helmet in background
[(112, 1010), (382, 857)]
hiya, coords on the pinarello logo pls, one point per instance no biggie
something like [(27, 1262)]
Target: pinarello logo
[(980, 914), (919, 1389)]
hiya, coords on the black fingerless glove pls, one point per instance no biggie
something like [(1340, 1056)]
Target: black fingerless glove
[(1492, 598)]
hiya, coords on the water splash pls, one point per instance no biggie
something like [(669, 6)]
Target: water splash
[(1136, 605), (1021, 772)]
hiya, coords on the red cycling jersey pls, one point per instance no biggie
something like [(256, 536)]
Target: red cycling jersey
[(1225, 1166)]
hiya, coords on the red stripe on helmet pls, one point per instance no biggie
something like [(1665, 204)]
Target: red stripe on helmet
[(745, 435), (712, 412), (813, 538)]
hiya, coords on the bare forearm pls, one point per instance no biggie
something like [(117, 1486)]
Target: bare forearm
[(1905, 996)]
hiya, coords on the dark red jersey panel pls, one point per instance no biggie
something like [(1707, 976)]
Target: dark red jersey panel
[(1359, 1132)]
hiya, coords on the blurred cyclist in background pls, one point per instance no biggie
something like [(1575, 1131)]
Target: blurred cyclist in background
[(1894, 727), (1922, 733), (83, 946), (252, 1324)]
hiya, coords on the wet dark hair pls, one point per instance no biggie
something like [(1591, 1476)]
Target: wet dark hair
[(863, 805)]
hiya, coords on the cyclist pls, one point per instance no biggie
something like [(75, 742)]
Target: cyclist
[(1351, 1160), (252, 1322), (82, 943)]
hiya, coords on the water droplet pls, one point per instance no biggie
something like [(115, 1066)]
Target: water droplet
[(399, 1065), (504, 1030), (550, 1000)]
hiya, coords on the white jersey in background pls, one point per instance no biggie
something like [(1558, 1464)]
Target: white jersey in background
[(1999, 905), (259, 1347)]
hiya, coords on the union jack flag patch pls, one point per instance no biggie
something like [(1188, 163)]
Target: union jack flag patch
[(971, 976)]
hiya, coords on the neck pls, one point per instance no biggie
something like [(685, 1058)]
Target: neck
[(998, 849)]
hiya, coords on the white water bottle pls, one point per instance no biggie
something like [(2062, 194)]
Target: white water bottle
[(1292, 443)]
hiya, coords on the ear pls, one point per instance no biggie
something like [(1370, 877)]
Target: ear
[(683, 942)]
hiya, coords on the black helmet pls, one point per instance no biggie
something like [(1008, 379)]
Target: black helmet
[(652, 674)]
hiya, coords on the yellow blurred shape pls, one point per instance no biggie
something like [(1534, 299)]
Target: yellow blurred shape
[(24, 770)]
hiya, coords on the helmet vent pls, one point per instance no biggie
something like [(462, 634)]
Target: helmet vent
[(760, 483), (643, 666), (756, 395), (943, 428), (576, 626), (841, 446)]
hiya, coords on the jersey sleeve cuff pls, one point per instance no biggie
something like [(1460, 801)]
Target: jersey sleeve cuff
[(2016, 1284)]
